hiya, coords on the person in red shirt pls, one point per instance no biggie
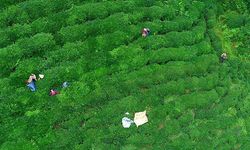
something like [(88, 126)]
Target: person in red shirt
[(53, 92)]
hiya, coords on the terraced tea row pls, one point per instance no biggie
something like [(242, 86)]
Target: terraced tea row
[(192, 100)]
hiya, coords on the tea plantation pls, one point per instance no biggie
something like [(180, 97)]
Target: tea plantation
[(193, 101)]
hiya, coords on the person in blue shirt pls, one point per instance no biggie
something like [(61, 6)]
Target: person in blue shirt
[(65, 84), (31, 82)]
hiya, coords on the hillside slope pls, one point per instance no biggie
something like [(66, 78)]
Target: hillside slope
[(192, 100)]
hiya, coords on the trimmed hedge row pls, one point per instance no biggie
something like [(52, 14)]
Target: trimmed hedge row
[(184, 53), (215, 40), (81, 32), (87, 44), (28, 11), (199, 99), (156, 74), (174, 39), (25, 48), (133, 57), (128, 84), (83, 13), (181, 86), (121, 21), (50, 23), (5, 4), (53, 23), (179, 81), (153, 74)]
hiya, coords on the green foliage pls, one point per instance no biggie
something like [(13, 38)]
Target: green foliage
[(12, 15), (10, 56), (192, 100), (234, 20), (36, 45)]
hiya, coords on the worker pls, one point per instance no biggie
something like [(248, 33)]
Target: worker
[(53, 92), (223, 57), (65, 84), (31, 82), (145, 32)]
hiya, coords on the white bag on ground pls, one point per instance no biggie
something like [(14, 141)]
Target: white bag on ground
[(126, 122), (140, 118), (41, 76)]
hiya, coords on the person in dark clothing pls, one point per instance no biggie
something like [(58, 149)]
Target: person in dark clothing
[(145, 32), (223, 57)]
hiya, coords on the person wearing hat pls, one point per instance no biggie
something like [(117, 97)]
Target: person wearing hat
[(31, 82), (145, 32), (41, 76)]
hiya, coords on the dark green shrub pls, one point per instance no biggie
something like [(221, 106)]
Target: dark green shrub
[(21, 143), (36, 45), (35, 9), (5, 38), (13, 15), (97, 47), (154, 12), (216, 42), (19, 31), (203, 63), (211, 18), (24, 69), (10, 57), (80, 14), (171, 54), (81, 32), (5, 4), (199, 100), (60, 5), (234, 20)]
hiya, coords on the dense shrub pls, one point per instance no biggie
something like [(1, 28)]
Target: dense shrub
[(199, 100), (5, 4), (234, 20), (80, 32), (10, 56), (36, 45), (13, 15), (80, 14), (5, 39), (192, 100), (11, 34)]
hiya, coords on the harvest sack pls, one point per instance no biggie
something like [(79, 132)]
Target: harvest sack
[(126, 122), (41, 76), (140, 118)]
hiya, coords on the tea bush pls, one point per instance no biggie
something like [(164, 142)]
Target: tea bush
[(193, 101)]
